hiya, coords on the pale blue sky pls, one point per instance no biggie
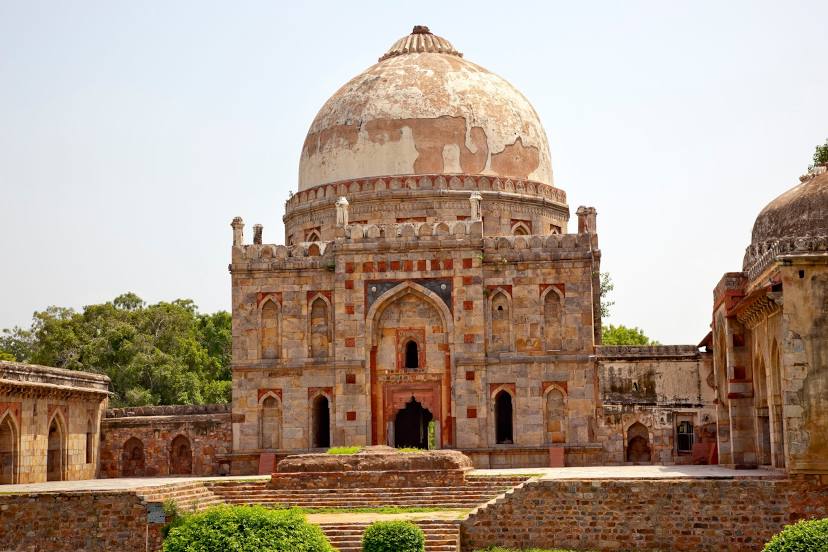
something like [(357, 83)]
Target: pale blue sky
[(132, 132)]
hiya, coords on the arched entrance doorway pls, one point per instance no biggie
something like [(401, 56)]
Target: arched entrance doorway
[(8, 451), (181, 456), (411, 426), (54, 454), (321, 423), (504, 434)]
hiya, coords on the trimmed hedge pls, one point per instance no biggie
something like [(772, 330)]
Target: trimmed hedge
[(246, 529), (393, 536), (803, 536)]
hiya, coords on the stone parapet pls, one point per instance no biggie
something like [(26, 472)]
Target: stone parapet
[(365, 188), (646, 351), (168, 410), (46, 377), (758, 257)]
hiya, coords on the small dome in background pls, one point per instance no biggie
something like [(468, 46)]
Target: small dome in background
[(422, 110), (801, 212)]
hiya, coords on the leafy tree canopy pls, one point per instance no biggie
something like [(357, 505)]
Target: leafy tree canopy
[(821, 154), (166, 353), (622, 335)]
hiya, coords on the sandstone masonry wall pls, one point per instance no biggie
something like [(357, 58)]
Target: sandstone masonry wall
[(644, 515), (205, 429)]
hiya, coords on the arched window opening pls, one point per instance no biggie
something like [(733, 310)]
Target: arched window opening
[(501, 336), (54, 454), (90, 441), (270, 329), (271, 424), (132, 458), (314, 251), (552, 321), (638, 444), (503, 419), (181, 456), (555, 416), (412, 355), (321, 423), (319, 329), (8, 451)]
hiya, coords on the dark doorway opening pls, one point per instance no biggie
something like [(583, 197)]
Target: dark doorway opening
[(503, 419), (638, 444), (321, 422), (54, 455), (411, 426)]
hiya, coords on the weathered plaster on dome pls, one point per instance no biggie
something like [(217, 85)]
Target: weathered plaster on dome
[(425, 113)]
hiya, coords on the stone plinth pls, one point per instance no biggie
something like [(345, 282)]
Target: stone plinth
[(372, 467)]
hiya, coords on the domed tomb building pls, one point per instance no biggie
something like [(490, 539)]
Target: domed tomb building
[(429, 292), (770, 337)]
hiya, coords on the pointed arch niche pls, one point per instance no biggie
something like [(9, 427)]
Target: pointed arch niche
[(554, 409), (319, 326), (552, 299), (9, 449), (500, 320), (270, 419), (270, 327), (56, 452)]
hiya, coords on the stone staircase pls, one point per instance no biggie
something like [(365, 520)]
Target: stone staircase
[(476, 491), (441, 535), (189, 497)]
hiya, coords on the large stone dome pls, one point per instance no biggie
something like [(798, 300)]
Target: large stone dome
[(424, 109), (799, 215)]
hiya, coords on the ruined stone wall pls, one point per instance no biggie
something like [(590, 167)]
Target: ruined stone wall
[(686, 515), (658, 387), (166, 440), (37, 399), (91, 522)]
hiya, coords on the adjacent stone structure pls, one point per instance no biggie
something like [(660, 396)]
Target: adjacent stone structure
[(770, 337), (49, 423), (166, 440)]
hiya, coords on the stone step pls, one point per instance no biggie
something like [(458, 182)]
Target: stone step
[(441, 536)]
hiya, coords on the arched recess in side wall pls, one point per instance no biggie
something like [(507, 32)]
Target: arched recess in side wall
[(56, 454), (270, 421), (181, 456), (554, 401), (320, 326), (132, 458), (638, 449), (9, 449), (270, 328), (552, 300), (500, 321)]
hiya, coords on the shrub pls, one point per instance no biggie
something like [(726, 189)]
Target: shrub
[(246, 529), (803, 536), (393, 536)]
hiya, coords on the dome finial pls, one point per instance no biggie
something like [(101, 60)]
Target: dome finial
[(420, 41)]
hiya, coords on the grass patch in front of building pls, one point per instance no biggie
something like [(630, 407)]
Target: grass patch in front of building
[(344, 450)]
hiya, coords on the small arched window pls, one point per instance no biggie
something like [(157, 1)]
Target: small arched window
[(412, 355)]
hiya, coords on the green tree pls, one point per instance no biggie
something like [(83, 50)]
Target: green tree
[(7, 356), (606, 287), (166, 353), (821, 154), (622, 335)]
